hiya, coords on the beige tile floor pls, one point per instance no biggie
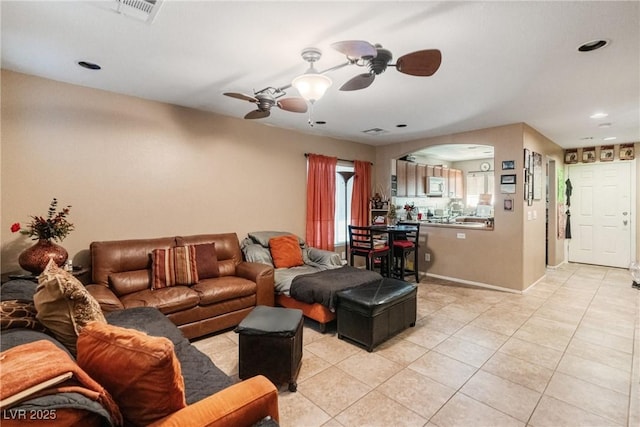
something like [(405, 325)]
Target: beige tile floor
[(565, 353)]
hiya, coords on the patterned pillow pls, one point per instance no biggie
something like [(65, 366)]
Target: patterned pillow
[(174, 266), (17, 313), (285, 251), (64, 306)]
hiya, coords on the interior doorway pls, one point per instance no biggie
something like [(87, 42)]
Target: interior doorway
[(601, 214)]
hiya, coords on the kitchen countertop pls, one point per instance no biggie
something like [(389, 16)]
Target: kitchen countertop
[(477, 224)]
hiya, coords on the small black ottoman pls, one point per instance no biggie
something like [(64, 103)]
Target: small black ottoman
[(371, 313), (271, 344)]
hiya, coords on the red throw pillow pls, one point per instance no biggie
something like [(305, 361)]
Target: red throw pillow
[(285, 251), (141, 372), (207, 261)]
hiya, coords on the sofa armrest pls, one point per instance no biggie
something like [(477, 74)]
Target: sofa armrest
[(324, 257), (241, 404), (263, 275), (106, 298)]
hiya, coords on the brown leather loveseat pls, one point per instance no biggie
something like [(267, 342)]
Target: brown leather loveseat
[(122, 277)]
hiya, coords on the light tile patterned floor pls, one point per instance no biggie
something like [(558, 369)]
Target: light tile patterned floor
[(566, 353)]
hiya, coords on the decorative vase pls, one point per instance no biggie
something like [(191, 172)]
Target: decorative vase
[(35, 258)]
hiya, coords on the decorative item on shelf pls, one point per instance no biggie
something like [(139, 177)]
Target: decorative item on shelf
[(409, 209), (54, 227), (391, 214), (377, 202)]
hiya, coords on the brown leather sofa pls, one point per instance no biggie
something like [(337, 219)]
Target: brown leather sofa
[(121, 278)]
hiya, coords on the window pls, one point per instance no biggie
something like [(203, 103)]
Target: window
[(478, 183), (340, 235)]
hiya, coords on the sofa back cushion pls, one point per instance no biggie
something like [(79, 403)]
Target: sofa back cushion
[(125, 256), (228, 251)]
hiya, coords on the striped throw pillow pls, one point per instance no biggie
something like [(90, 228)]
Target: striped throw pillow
[(174, 266)]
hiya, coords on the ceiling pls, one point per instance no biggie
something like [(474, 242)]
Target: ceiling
[(503, 62)]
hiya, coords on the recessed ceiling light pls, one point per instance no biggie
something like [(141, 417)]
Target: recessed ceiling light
[(586, 138), (609, 138), (401, 125), (599, 115), (593, 45), (89, 65), (604, 125)]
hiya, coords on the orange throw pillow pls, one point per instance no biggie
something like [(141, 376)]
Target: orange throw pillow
[(141, 372), (285, 251)]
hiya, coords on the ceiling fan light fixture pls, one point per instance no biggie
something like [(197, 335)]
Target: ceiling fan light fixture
[(311, 85)]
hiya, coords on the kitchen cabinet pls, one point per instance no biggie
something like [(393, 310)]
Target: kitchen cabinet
[(455, 182), (401, 178), (421, 180), (411, 179)]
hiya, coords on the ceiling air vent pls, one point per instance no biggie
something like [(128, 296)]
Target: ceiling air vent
[(375, 131), (143, 10)]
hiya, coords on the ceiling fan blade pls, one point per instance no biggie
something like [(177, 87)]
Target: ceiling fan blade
[(241, 96), (420, 63), (356, 49), (258, 114), (295, 105), (358, 82)]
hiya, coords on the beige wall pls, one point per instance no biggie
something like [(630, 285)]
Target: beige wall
[(511, 256), (133, 168)]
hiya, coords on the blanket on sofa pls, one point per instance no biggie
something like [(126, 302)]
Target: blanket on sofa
[(47, 362), (321, 287)]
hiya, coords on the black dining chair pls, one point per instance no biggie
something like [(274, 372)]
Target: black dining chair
[(363, 242), (404, 246)]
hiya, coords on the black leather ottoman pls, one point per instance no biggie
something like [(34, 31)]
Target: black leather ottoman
[(371, 313), (271, 344)]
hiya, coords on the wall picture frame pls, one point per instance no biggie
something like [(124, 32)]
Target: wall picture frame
[(508, 205), (508, 164), (606, 153), (571, 156), (588, 154), (626, 152)]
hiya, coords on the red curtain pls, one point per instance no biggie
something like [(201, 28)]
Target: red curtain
[(361, 194), (321, 201)]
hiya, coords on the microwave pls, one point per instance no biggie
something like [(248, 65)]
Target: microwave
[(435, 186)]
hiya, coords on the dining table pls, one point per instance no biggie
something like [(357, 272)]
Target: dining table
[(392, 232)]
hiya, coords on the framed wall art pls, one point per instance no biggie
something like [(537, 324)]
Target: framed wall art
[(606, 153), (508, 184), (571, 156), (626, 152), (589, 154), (508, 164), (537, 176)]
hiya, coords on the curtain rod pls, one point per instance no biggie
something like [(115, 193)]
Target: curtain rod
[(342, 160)]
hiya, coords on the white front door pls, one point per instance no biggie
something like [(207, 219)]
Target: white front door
[(601, 214)]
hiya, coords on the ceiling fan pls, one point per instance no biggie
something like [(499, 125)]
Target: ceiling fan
[(266, 98), (360, 53), (377, 59)]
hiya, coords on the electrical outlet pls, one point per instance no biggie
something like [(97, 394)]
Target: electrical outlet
[(427, 257), (342, 255), (461, 236)]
